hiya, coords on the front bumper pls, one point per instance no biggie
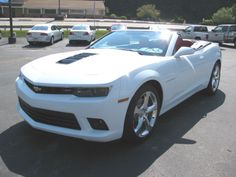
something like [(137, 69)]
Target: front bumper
[(106, 108)]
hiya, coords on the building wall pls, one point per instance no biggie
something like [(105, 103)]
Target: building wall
[(21, 11)]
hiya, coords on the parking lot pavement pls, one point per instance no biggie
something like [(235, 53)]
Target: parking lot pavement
[(197, 138)]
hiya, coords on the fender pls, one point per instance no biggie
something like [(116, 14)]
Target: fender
[(130, 84)]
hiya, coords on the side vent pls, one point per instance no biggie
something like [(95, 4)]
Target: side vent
[(75, 58)]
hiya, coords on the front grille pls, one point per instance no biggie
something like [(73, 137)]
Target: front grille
[(61, 119), (50, 90)]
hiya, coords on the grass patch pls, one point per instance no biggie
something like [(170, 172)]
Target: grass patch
[(22, 33), (19, 33)]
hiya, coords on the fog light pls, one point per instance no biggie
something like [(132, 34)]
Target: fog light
[(97, 124)]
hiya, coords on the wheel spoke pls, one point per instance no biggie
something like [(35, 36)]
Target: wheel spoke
[(146, 100), (151, 108), (147, 124), (137, 111), (138, 128)]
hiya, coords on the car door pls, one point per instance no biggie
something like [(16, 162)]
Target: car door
[(178, 76), (187, 33), (185, 76), (230, 36), (55, 33), (218, 34)]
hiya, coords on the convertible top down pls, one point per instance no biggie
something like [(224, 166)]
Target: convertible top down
[(118, 86)]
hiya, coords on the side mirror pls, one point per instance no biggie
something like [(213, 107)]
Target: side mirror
[(213, 30), (184, 51)]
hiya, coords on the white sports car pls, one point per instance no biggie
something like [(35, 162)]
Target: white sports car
[(118, 87)]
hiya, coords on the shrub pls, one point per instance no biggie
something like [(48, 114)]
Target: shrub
[(207, 21), (148, 12), (113, 16), (123, 17), (223, 15)]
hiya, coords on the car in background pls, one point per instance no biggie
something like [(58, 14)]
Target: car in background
[(154, 27), (224, 34), (82, 33), (197, 32), (117, 27), (44, 33), (117, 87)]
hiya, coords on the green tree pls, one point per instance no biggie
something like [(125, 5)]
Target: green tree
[(234, 11), (223, 15), (148, 12)]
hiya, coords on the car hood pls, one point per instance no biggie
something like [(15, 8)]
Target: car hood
[(85, 67)]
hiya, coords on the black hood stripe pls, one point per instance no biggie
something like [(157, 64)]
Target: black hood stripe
[(75, 58)]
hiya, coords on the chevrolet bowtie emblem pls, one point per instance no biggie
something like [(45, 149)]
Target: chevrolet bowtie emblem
[(37, 89)]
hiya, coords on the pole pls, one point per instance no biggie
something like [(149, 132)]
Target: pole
[(94, 13), (11, 39), (59, 7), (10, 16)]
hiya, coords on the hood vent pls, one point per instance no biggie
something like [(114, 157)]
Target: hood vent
[(75, 58)]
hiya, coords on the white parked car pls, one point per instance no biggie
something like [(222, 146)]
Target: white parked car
[(154, 27), (117, 27), (44, 33), (118, 87), (198, 32), (82, 33)]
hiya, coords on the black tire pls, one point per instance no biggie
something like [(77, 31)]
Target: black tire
[(31, 43), (136, 123), (51, 40), (197, 38), (214, 80), (234, 43), (71, 42)]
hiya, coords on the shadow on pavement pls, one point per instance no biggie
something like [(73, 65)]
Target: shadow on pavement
[(30, 152), (78, 43), (36, 46)]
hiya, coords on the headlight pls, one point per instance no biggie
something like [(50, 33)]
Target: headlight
[(92, 92)]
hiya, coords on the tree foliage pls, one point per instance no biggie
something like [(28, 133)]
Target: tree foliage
[(191, 10), (148, 12), (223, 15)]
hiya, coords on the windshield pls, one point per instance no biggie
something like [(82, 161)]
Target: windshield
[(43, 28), (143, 42), (80, 28)]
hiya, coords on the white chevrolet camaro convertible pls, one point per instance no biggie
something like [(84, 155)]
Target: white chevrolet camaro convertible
[(117, 87)]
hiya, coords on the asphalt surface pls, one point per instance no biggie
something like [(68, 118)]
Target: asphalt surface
[(197, 138)]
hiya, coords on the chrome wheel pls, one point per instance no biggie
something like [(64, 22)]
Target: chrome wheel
[(215, 80), (145, 114)]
